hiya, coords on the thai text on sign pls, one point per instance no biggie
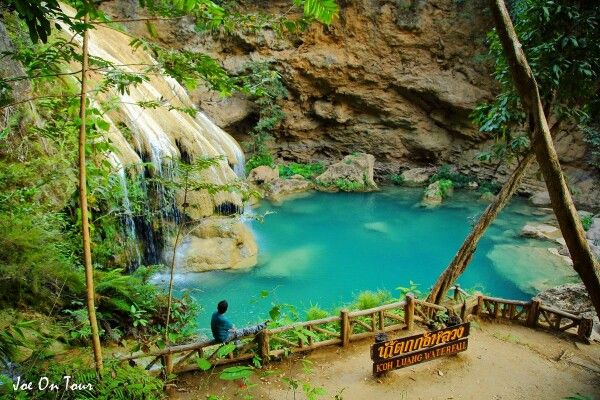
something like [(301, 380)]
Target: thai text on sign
[(396, 347), (411, 350)]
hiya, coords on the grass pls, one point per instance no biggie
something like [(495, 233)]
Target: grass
[(307, 171), (587, 222)]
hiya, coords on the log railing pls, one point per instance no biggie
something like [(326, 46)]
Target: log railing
[(535, 315), (356, 325)]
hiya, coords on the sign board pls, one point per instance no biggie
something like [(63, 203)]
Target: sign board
[(426, 346)]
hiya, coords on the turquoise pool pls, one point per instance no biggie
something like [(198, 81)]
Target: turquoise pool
[(324, 248)]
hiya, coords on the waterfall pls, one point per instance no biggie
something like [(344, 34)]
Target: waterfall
[(158, 136)]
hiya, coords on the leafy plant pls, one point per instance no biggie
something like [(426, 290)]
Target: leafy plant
[(369, 299), (587, 221), (397, 179), (258, 160), (314, 312), (347, 185), (412, 288), (307, 171), (446, 186), (448, 172)]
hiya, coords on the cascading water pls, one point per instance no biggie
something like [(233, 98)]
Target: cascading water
[(159, 136)]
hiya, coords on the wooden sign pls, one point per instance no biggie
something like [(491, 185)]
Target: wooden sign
[(426, 346)]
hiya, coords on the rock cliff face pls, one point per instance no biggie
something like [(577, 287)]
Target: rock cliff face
[(393, 78), (396, 79)]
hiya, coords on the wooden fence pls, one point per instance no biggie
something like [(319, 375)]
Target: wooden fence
[(351, 326)]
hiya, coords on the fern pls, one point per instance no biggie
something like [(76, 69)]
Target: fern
[(323, 11)]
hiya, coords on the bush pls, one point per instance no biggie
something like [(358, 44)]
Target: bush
[(258, 160), (397, 179), (370, 299), (587, 222), (120, 382), (489, 187), (315, 312), (308, 171), (446, 187), (448, 172), (349, 186)]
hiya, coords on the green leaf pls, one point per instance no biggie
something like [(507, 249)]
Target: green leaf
[(203, 364), (225, 350), (235, 373)]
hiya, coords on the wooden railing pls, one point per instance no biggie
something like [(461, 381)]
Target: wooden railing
[(356, 325), (535, 315)]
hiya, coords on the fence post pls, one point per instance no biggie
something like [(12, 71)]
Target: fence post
[(584, 330), (463, 311), (409, 311), (479, 305), (263, 346), (456, 292), (534, 313), (168, 364), (345, 328)]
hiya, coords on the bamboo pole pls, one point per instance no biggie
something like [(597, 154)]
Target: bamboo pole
[(345, 328), (409, 312), (584, 261), (85, 227), (463, 256)]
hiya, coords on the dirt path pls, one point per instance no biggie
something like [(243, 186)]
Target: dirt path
[(502, 362)]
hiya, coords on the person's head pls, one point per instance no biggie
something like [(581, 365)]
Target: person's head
[(222, 306)]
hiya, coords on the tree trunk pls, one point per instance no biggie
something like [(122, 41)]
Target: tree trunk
[(87, 252), (584, 262), (465, 253)]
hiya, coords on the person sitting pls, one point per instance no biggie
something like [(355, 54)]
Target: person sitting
[(223, 330)]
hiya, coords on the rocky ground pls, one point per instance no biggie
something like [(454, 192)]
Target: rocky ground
[(502, 362)]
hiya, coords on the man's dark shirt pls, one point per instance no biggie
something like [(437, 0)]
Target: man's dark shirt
[(220, 327)]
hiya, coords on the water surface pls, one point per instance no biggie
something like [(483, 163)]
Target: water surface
[(325, 248)]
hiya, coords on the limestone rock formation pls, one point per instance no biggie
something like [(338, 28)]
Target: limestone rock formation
[(218, 243), (435, 193), (282, 188), (354, 168), (417, 176), (593, 233), (573, 298), (543, 231), (263, 174)]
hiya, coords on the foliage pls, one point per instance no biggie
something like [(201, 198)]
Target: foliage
[(448, 172), (258, 160), (314, 312), (121, 382), (397, 179), (308, 171), (265, 86), (561, 40), (587, 221), (348, 186), (445, 187), (412, 288), (369, 299)]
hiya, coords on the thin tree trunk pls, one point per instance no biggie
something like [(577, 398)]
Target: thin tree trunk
[(465, 253), (172, 269), (87, 252), (584, 261)]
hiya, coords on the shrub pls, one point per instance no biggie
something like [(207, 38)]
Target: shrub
[(370, 299), (448, 172), (348, 186), (258, 160), (397, 179), (587, 221), (315, 312), (308, 171), (490, 187), (446, 187)]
